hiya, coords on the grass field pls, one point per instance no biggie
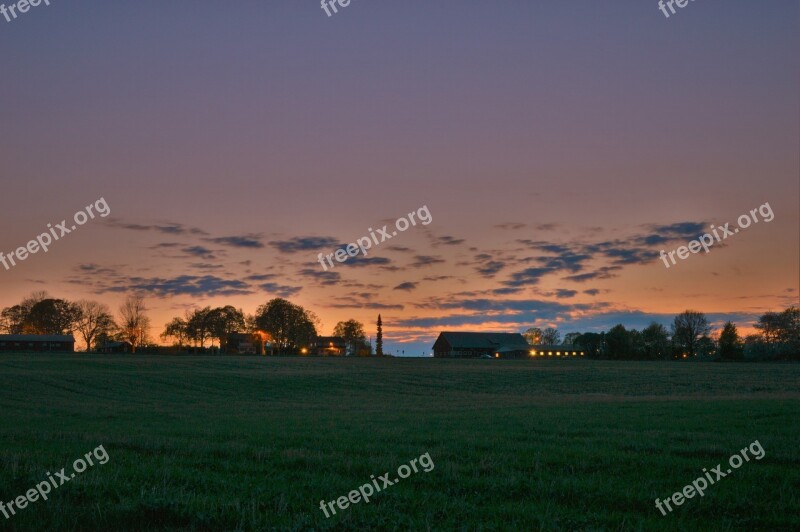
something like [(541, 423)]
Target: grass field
[(247, 443)]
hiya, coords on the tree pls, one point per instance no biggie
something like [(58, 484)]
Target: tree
[(52, 316), (730, 345), (779, 333), (225, 321), (551, 336), (593, 344), (178, 329), (619, 343), (656, 342), (353, 333), (569, 338), (134, 321), (533, 336), (687, 329), (198, 326), (291, 326), (93, 319), (13, 320), (379, 338)]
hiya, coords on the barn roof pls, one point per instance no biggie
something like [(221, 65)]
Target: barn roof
[(36, 338), (481, 340)]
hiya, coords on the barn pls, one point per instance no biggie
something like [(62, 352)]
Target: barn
[(37, 343), (480, 344)]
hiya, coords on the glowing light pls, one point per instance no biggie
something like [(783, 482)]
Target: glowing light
[(304, 351), (497, 355)]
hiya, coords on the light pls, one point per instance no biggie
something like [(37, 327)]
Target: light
[(558, 353), (304, 351), (581, 353), (331, 344), (497, 355), (550, 353), (533, 353)]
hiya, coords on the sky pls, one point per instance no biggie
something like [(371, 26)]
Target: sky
[(558, 147)]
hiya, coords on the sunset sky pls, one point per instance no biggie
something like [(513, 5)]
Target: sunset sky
[(559, 146)]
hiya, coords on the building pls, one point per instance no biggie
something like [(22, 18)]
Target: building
[(478, 344), (37, 343), (329, 346), (115, 347), (255, 343), (563, 351)]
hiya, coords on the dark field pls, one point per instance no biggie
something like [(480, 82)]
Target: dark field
[(215, 443)]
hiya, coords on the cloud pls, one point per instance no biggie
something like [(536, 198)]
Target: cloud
[(490, 268), (510, 226), (449, 240), (280, 290), (359, 261), (307, 243), (169, 228), (408, 286), (527, 277), (200, 251), (248, 241), (206, 266), (421, 261), (371, 306), (192, 285), (602, 273), (320, 276), (592, 291), (564, 293), (261, 277)]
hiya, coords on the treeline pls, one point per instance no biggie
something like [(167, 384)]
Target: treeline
[(285, 327), (689, 337)]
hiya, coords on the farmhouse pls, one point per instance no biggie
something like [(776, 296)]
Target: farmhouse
[(478, 344), (37, 343), (329, 346)]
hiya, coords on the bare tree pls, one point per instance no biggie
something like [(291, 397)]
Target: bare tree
[(551, 336), (687, 329), (134, 321), (93, 319)]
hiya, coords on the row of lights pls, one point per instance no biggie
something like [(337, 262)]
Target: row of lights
[(558, 353)]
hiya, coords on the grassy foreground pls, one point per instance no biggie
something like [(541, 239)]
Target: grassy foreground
[(246, 443)]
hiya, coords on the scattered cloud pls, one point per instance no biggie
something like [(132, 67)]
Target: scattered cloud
[(306, 243)]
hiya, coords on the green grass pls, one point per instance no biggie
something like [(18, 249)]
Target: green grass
[(246, 443)]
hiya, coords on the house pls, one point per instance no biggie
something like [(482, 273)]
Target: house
[(255, 343), (37, 343), (479, 344), (329, 346), (565, 350), (115, 347)]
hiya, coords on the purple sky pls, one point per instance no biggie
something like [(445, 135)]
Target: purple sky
[(558, 146)]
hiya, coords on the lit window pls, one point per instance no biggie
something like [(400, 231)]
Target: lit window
[(558, 353), (550, 353)]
